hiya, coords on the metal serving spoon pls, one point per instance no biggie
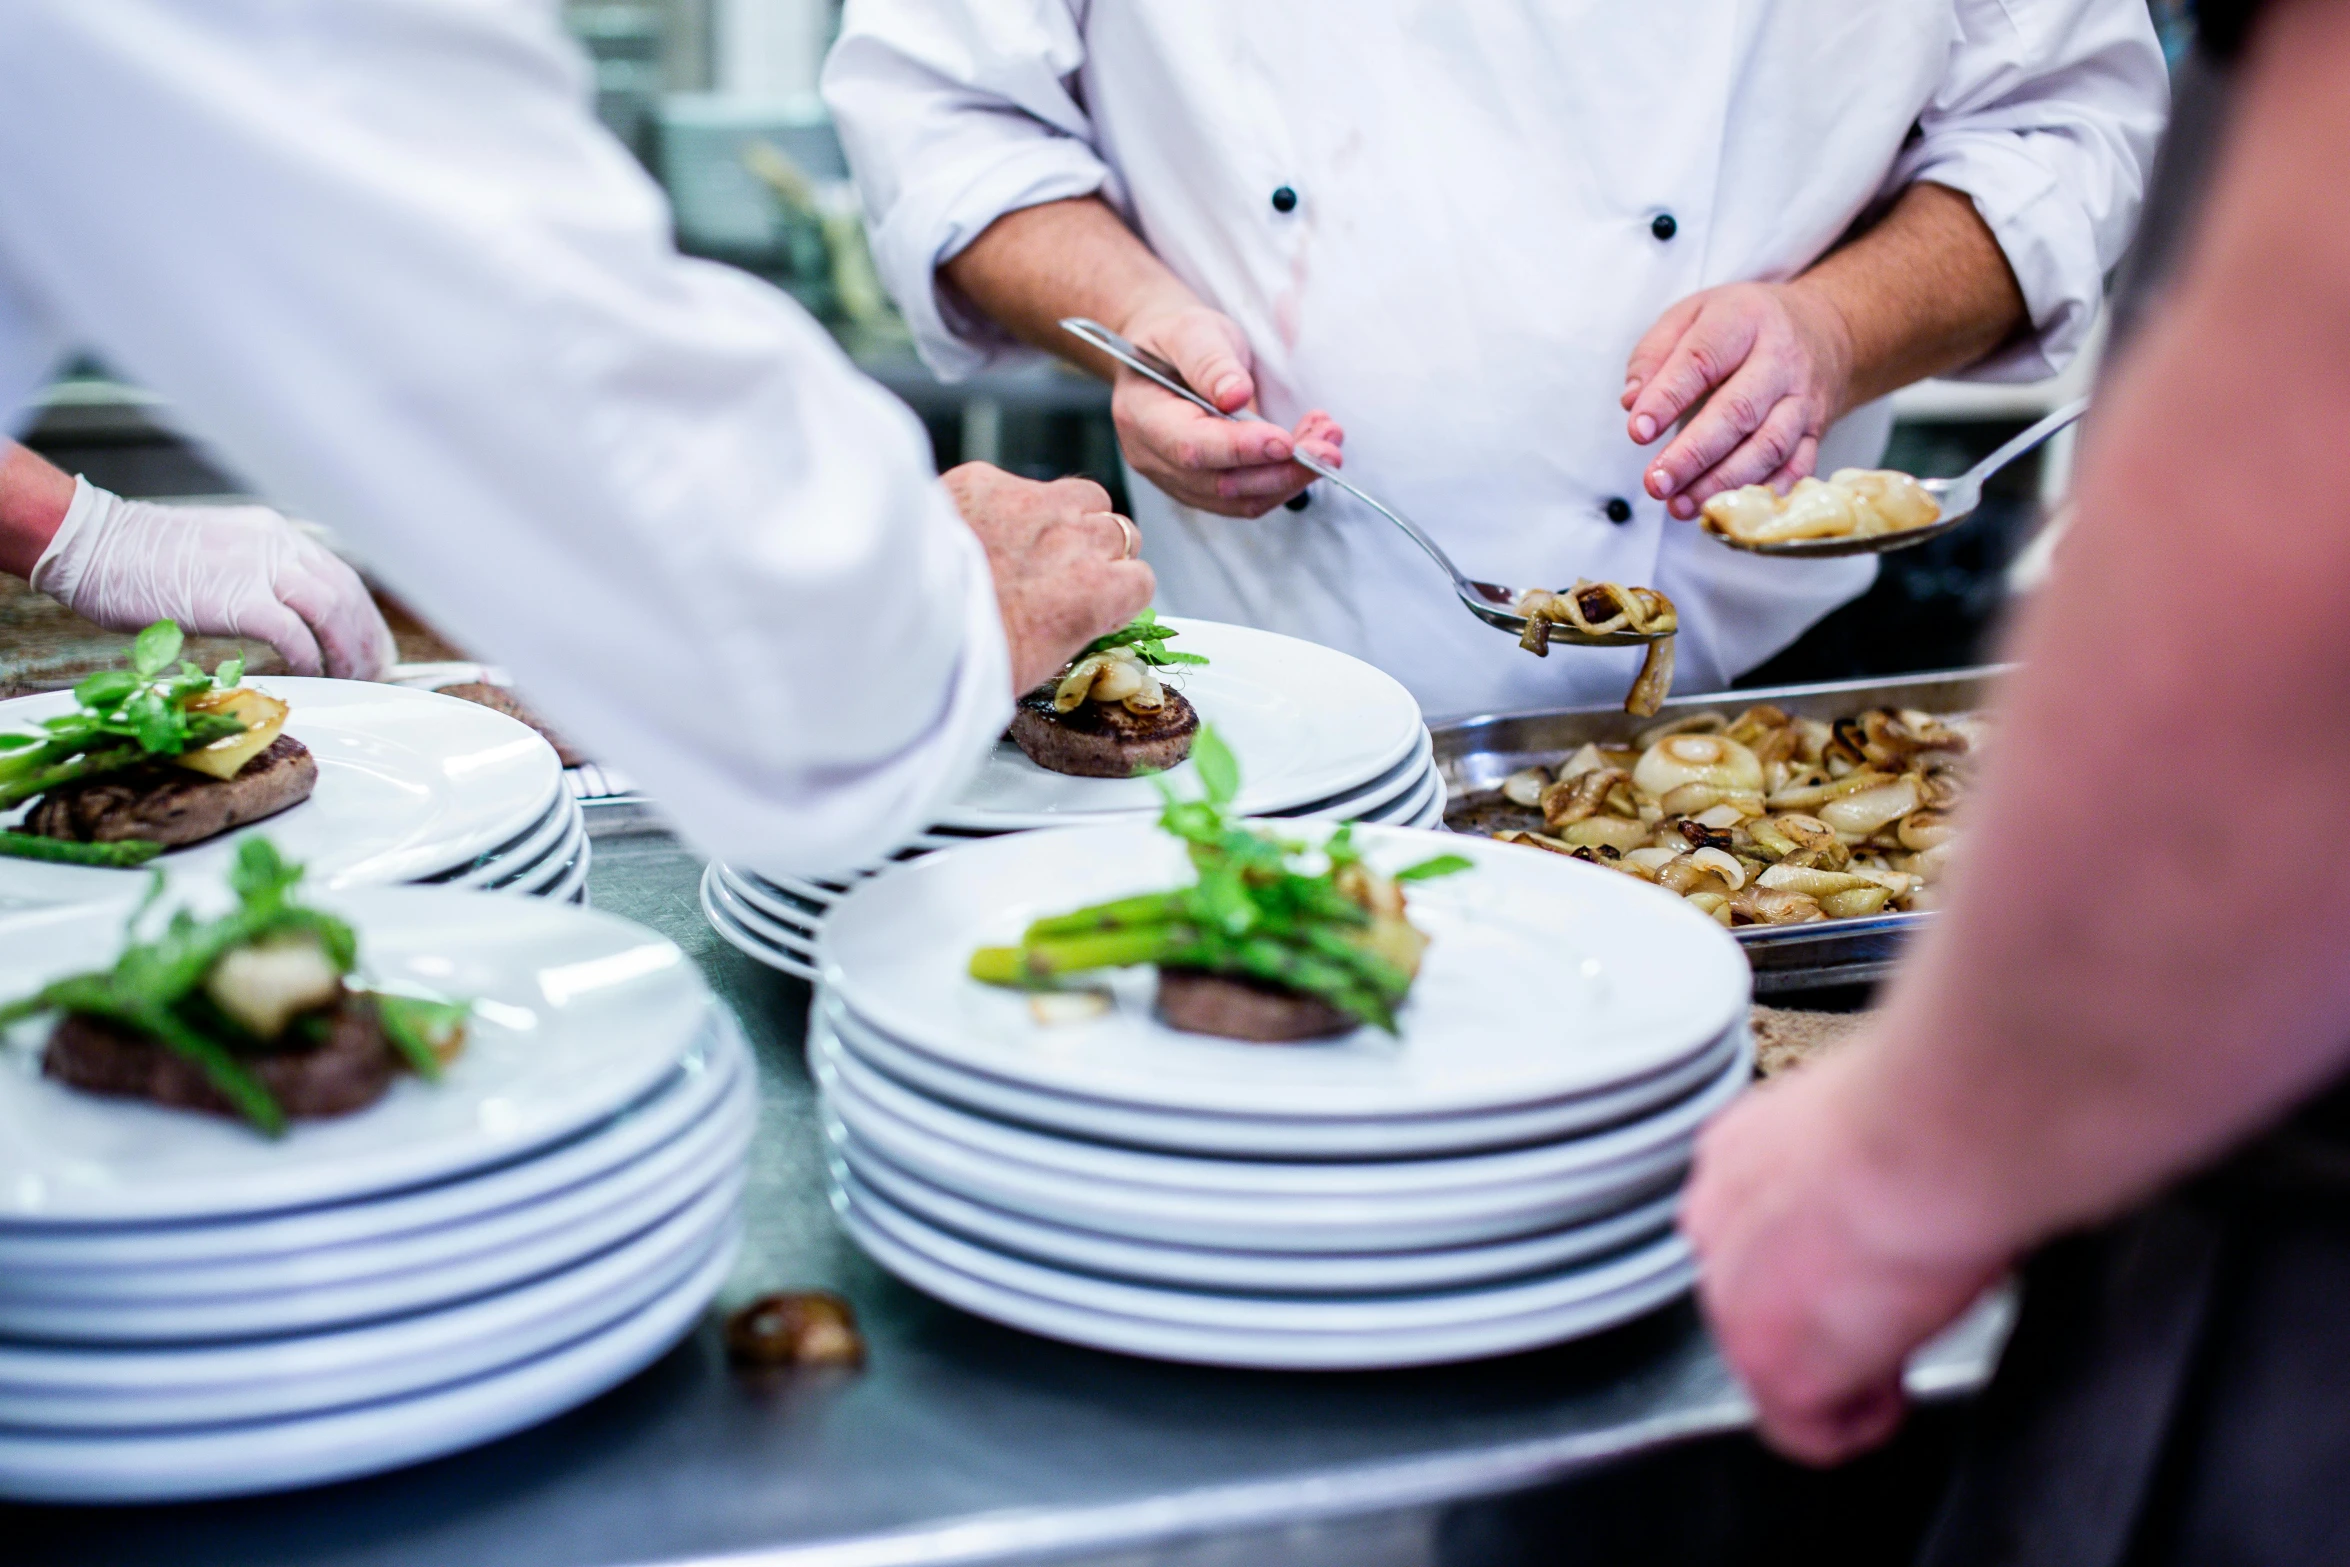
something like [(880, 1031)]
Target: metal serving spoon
[(1488, 601), (1957, 497)]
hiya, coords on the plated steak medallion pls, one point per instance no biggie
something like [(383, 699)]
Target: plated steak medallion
[(152, 758), (1109, 714)]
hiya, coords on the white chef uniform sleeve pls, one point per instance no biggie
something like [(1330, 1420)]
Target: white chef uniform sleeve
[(378, 253), (2047, 118), (953, 113)]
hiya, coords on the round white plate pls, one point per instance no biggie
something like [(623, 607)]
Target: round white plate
[(263, 1315), (546, 837), (576, 1015), (1544, 978), (1307, 723), (768, 913), (159, 1389), (841, 1075), (279, 1455), (1267, 1137), (1413, 810), (409, 783), (726, 917), (1385, 790), (214, 1298), (1212, 1346), (1191, 1267), (563, 884), (1274, 1313), (709, 1071), (1276, 1222)]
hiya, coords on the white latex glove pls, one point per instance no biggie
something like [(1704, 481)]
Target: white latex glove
[(229, 571)]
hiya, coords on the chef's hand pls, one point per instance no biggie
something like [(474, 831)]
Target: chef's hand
[(1767, 366), (230, 571), (1818, 1279), (1063, 569), (1234, 470)]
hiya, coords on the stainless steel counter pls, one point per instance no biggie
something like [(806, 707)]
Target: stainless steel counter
[(962, 1442)]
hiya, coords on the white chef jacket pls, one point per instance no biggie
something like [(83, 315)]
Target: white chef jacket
[(379, 253), (1475, 247)]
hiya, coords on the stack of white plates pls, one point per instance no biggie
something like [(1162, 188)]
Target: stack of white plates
[(1320, 736), (412, 787), (1500, 1175), (191, 1309)]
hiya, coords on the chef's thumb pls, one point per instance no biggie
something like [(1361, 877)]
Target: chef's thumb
[(1203, 350)]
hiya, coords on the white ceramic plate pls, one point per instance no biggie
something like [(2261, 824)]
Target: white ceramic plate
[(1248, 1313), (264, 1315), (340, 1283), (409, 783), (716, 909), (1544, 978), (280, 1455), (548, 836), (1243, 1222), (1307, 723), (159, 1389), (577, 1014), (840, 1075), (1267, 1137), (1202, 1345), (767, 911), (1191, 1267), (563, 884), (710, 1070)]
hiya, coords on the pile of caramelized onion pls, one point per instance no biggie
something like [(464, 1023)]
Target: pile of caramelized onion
[(1115, 675), (1850, 503), (1606, 609), (1763, 819)]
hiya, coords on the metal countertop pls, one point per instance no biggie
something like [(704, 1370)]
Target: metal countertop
[(962, 1442)]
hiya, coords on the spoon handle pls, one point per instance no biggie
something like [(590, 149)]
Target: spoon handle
[(2029, 439), (1152, 367)]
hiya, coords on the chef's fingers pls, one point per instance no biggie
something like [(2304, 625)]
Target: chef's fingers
[(1206, 347), (1742, 406), (284, 629), (1653, 349), (1711, 352), (1271, 483), (1771, 447), (1830, 1433), (1082, 494), (1803, 464), (353, 641), (1180, 436)]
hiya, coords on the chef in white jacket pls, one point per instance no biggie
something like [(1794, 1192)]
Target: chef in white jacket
[(380, 254), (1501, 251)]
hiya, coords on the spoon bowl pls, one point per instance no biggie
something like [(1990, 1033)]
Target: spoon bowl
[(1488, 601), (1958, 498)]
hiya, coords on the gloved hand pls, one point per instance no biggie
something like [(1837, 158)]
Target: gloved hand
[(236, 571)]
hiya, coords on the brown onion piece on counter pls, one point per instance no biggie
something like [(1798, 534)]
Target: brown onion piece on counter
[(795, 1328)]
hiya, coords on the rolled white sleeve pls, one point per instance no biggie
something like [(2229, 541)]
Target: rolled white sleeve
[(953, 113), (2047, 119), (380, 255)]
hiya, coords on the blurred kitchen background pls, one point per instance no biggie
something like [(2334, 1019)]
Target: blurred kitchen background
[(717, 98)]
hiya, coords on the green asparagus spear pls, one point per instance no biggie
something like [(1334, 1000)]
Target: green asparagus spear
[(128, 854)]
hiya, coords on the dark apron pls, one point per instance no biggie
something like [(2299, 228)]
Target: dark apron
[(2177, 1390)]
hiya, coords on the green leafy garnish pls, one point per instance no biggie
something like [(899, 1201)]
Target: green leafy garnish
[(424, 1032), (1147, 636), (123, 716), (156, 985), (1261, 909)]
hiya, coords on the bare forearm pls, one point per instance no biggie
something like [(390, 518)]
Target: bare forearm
[(1035, 266), (1925, 291), (2143, 962), (34, 496)]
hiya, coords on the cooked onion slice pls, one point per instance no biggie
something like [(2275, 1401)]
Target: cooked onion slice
[(262, 715)]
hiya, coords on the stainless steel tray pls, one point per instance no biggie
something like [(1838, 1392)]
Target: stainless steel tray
[(1476, 754)]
